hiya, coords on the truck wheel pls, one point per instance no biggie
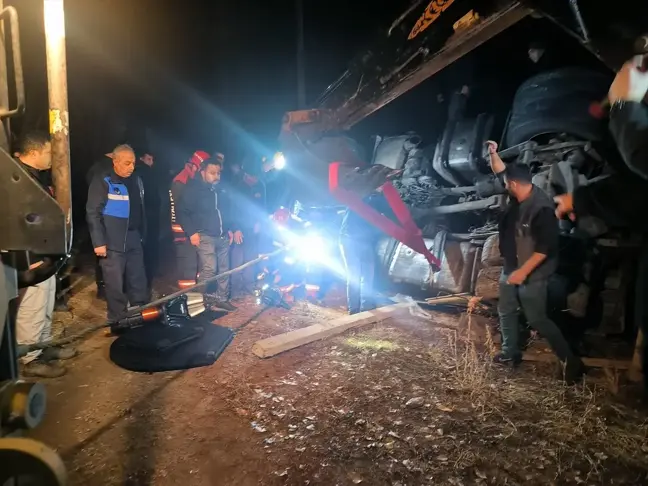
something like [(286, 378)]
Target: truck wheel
[(491, 256), (558, 102), (487, 285)]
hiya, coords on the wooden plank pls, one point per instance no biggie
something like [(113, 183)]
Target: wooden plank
[(589, 362), (636, 371), (272, 346)]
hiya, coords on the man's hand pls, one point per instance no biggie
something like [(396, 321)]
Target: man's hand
[(236, 237), (492, 147), (195, 239), (517, 277), (565, 206), (101, 251), (630, 84)]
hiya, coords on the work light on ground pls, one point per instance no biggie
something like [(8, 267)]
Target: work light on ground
[(279, 161)]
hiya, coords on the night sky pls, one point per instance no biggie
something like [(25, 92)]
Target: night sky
[(195, 74)]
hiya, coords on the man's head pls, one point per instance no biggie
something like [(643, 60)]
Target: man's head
[(35, 150), (123, 158), (518, 180), (210, 170), (147, 159)]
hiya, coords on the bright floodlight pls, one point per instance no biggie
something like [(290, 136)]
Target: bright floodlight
[(279, 161)]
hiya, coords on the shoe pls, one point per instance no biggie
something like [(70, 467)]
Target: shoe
[(54, 353), (503, 359), (224, 305), (41, 369), (573, 375)]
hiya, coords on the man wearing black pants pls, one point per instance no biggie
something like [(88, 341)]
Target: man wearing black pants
[(358, 238), (528, 232), (117, 223), (202, 213)]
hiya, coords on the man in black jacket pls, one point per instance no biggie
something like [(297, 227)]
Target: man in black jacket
[(528, 232), (203, 215), (36, 304), (358, 238), (117, 224), (620, 199)]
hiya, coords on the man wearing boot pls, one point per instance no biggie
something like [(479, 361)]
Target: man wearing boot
[(36, 305), (202, 215)]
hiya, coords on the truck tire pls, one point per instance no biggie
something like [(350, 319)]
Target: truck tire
[(487, 285), (491, 256), (558, 102)]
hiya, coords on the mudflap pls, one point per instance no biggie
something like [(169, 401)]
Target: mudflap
[(156, 347)]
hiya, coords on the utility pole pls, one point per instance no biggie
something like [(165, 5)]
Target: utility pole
[(59, 123), (301, 78)]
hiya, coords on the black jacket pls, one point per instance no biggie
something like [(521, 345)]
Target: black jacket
[(108, 209), (620, 199), (203, 208)]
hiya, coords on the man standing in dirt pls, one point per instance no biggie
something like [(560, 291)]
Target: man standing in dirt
[(117, 223), (528, 233), (202, 216), (618, 200)]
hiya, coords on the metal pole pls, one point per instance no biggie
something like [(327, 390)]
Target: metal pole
[(58, 106), (301, 82), (4, 88)]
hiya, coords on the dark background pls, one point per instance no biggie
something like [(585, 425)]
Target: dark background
[(172, 77)]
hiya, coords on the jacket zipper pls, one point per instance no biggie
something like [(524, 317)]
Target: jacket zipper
[(220, 219)]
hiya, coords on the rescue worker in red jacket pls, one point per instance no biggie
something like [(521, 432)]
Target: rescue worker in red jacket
[(186, 257)]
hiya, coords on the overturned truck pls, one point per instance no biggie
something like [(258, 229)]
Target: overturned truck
[(535, 70)]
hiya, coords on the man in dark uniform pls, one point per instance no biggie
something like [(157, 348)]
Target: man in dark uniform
[(247, 196), (185, 252), (529, 237), (117, 224)]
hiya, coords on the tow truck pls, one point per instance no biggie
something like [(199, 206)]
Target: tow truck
[(446, 242)]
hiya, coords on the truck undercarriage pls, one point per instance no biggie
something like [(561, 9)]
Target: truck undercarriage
[(446, 180)]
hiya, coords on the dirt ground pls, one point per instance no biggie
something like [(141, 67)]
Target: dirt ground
[(402, 402)]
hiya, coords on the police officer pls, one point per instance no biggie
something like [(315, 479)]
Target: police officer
[(117, 224)]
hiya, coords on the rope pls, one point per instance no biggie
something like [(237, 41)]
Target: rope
[(23, 350)]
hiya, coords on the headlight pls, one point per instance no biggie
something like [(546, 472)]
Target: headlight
[(279, 161)]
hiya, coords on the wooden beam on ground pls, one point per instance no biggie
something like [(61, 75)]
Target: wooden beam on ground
[(636, 372), (272, 346), (618, 364)]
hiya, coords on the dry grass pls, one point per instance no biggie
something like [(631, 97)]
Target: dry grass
[(409, 403)]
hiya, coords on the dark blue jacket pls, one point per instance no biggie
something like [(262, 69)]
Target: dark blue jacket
[(108, 209), (203, 208)]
